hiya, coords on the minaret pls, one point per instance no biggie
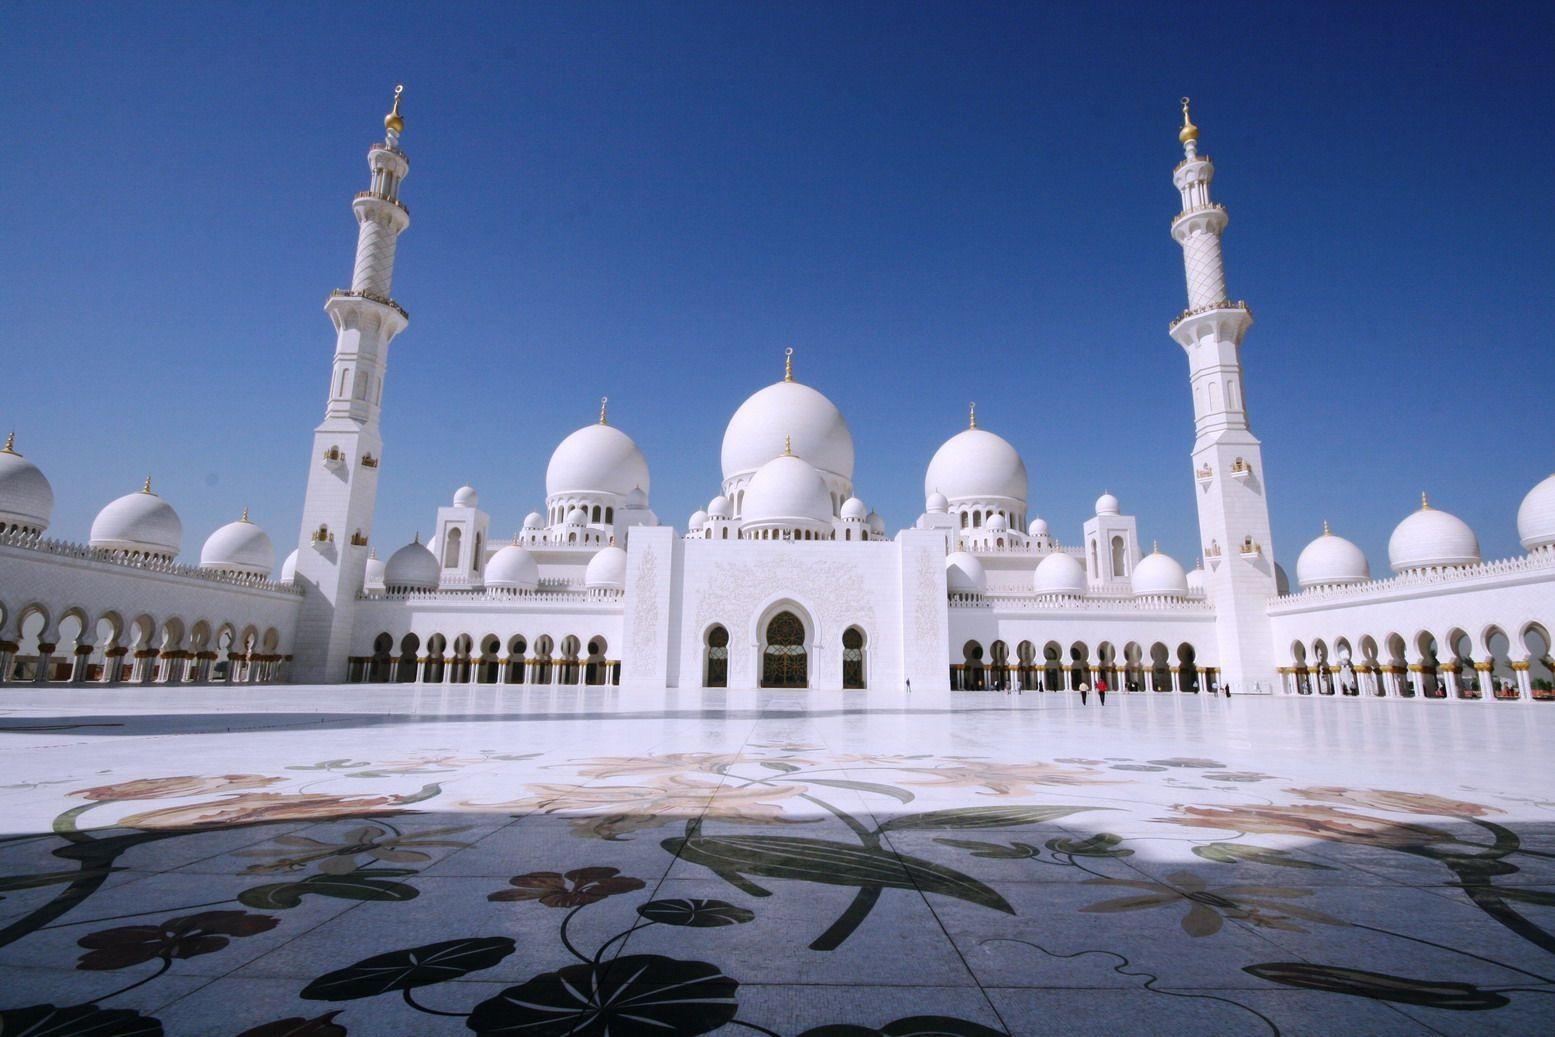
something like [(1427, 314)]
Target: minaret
[(1227, 457), (337, 515)]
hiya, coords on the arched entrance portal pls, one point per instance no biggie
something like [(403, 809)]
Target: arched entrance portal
[(784, 661)]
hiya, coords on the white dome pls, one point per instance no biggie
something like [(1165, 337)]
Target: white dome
[(1038, 527), (937, 504), (1059, 573), (637, 499), (719, 507), (697, 520), (1535, 516), (997, 524), (412, 567), (788, 491), (239, 546), (466, 497), (1107, 504), (812, 424), (576, 517), (1430, 538), (1197, 578), (875, 522), (854, 509), (140, 522), (289, 568), (964, 574), (607, 570), (1329, 560), (1159, 574), (534, 521), (512, 568), (26, 498), (975, 464), (373, 577), (596, 459)]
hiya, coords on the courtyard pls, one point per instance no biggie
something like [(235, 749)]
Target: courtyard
[(407, 859)]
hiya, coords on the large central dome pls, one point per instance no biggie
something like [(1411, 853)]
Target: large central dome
[(793, 413), (596, 459)]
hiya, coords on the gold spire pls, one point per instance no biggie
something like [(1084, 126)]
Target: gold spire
[(603, 402), (418, 536), (788, 446), (1188, 131), (1155, 547), (372, 553), (146, 488), (971, 421), (788, 364), (392, 121), (245, 514), (1425, 502), (10, 443), (1326, 531)]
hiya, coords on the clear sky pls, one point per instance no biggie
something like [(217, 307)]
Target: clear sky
[(933, 203)]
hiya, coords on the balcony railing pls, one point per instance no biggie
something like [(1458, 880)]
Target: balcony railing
[(401, 206), (1223, 304), (346, 293)]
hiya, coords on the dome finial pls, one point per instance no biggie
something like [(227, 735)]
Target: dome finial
[(392, 122), (1188, 131), (1155, 547), (971, 415), (10, 443), (1326, 531), (788, 446), (372, 553), (146, 488), (788, 364), (604, 401), (417, 537), (245, 514), (1425, 502)]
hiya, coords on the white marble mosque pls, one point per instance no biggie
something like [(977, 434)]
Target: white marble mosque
[(786, 579)]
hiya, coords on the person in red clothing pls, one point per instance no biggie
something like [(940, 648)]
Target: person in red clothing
[(1101, 690)]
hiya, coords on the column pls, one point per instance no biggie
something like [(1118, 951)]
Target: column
[(79, 667), (1487, 684), (7, 659), (45, 663)]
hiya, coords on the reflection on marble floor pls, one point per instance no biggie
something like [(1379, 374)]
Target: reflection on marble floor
[(494, 860)]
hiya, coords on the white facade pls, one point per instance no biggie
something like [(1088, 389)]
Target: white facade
[(786, 578)]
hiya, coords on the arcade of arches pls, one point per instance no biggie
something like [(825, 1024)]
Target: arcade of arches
[(490, 661), (1053, 667), (1495, 666)]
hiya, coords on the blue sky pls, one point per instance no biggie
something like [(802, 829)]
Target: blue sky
[(933, 203)]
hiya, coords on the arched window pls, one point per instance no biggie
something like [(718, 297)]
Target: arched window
[(853, 658), (716, 662), (596, 513), (451, 548), (784, 660), (477, 559), (1119, 558), (610, 515), (963, 520)]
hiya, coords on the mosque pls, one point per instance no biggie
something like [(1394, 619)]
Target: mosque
[(787, 579)]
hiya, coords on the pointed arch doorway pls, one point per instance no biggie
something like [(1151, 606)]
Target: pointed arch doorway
[(785, 659)]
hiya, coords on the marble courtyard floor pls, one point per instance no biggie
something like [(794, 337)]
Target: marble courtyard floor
[(395, 861)]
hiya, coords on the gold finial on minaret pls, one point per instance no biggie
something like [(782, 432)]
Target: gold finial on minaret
[(1188, 131), (146, 488), (1425, 502), (788, 364), (788, 446), (10, 443), (971, 418), (392, 122), (245, 514), (1326, 531), (604, 401)]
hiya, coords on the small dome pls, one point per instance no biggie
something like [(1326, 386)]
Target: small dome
[(1038, 527), (239, 546), (975, 464), (596, 459), (533, 520), (1331, 560), (1159, 575), (466, 497), (289, 568), (138, 522), (512, 568), (412, 567), (1535, 516), (1107, 504), (964, 574), (26, 498), (998, 523), (372, 579), (875, 523), (576, 517), (788, 491), (1059, 573), (637, 500), (854, 510), (813, 425), (1197, 579), (607, 570), (1430, 538), (719, 507), (937, 504), (697, 520)]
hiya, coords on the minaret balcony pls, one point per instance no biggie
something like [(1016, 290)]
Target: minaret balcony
[(1239, 311), (382, 300), (377, 196), (1241, 471), (1206, 475)]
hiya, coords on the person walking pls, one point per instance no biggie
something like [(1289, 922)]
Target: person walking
[(1084, 687), (1101, 690)]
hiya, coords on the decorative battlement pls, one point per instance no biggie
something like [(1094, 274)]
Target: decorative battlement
[(382, 300), (87, 553), (1196, 605), (1535, 563), (596, 597)]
